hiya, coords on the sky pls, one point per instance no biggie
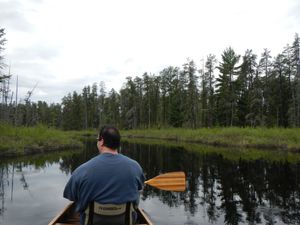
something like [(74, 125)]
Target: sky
[(60, 46)]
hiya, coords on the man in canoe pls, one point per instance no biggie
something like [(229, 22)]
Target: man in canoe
[(106, 188)]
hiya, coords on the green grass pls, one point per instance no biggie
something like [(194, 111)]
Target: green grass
[(230, 153), (267, 138), (19, 140)]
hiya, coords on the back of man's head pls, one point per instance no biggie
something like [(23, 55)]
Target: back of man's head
[(111, 136)]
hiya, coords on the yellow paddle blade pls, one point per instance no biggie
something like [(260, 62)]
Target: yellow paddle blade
[(173, 181)]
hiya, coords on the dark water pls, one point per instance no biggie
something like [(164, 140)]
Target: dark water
[(219, 190)]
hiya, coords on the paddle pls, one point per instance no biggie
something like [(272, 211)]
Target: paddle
[(173, 181)]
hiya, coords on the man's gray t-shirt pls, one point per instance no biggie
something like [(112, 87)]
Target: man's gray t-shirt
[(106, 179)]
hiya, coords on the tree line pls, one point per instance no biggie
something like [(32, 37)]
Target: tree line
[(239, 90)]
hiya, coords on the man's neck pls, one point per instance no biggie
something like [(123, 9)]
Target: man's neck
[(108, 150)]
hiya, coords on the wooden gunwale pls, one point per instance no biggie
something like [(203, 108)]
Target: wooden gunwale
[(68, 217)]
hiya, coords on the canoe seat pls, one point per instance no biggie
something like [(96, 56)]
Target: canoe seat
[(67, 224), (79, 224)]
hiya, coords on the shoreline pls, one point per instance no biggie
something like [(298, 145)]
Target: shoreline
[(32, 150), (259, 138), (22, 141), (219, 144)]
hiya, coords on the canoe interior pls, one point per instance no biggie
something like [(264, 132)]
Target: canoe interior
[(69, 217)]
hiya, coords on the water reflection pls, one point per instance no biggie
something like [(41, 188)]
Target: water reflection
[(219, 190), (230, 192)]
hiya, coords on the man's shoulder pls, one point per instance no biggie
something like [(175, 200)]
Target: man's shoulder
[(126, 158), (83, 167), (129, 160)]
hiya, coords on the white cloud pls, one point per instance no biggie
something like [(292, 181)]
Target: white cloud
[(64, 45)]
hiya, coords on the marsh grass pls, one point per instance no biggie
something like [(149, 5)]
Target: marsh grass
[(268, 138), (247, 140), (15, 140), (230, 153)]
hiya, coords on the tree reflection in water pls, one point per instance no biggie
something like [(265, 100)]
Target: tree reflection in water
[(242, 191), (226, 191), (3, 178)]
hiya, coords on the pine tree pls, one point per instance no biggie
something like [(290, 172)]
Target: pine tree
[(280, 90), (2, 43), (138, 82), (189, 71), (166, 76), (4, 80), (244, 87), (176, 97), (208, 84), (151, 101), (128, 104), (73, 114), (295, 108), (256, 116), (113, 108), (265, 65), (101, 103), (93, 101), (227, 97)]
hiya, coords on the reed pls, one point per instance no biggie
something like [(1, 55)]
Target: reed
[(27, 140), (230, 153), (265, 138)]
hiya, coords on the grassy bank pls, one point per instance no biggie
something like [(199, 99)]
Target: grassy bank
[(232, 154), (16, 141), (262, 138)]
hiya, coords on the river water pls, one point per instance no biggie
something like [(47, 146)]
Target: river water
[(220, 190)]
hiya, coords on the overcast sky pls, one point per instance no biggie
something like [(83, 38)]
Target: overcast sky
[(63, 45)]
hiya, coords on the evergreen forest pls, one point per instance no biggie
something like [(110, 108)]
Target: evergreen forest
[(247, 90)]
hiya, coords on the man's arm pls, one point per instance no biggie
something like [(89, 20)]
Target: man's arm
[(71, 189), (75, 183)]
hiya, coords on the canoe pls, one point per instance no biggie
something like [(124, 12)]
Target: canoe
[(68, 216)]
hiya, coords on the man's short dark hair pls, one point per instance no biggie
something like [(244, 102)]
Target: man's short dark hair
[(110, 136)]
